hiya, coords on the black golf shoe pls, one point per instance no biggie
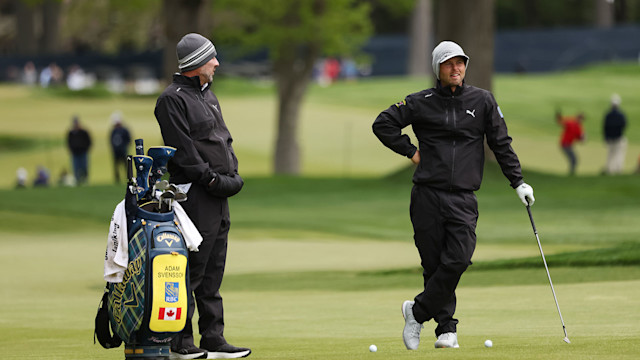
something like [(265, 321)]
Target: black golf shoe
[(228, 351)]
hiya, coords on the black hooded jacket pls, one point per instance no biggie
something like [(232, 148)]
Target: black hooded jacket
[(450, 128)]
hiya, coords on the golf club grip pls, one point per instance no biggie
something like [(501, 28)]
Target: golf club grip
[(129, 168), (139, 147), (533, 225)]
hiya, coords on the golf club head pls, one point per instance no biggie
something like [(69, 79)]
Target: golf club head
[(566, 339), (168, 194), (180, 197), (162, 185), (161, 156)]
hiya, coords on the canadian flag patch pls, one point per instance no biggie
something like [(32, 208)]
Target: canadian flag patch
[(169, 313)]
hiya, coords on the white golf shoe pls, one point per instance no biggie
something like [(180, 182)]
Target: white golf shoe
[(411, 332), (447, 340)]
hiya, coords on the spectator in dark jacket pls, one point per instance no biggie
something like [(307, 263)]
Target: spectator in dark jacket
[(120, 140), (79, 143), (615, 123)]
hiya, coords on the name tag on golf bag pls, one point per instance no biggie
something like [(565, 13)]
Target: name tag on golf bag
[(150, 305)]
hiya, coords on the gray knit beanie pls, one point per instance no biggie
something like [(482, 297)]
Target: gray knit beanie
[(445, 51), (194, 50)]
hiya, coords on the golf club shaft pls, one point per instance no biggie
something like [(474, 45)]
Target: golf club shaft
[(131, 180), (535, 231)]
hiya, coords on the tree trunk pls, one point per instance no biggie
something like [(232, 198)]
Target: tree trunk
[(293, 75), (473, 29), (26, 42), (50, 39), (421, 38), (181, 17), (604, 14)]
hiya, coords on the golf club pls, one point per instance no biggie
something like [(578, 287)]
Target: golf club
[(159, 186), (166, 201), (535, 231), (131, 183), (180, 195), (139, 146)]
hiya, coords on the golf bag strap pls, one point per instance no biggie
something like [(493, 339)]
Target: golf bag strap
[(103, 326)]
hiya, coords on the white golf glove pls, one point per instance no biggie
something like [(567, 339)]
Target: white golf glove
[(525, 193)]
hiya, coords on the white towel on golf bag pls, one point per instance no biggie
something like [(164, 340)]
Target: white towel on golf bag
[(116, 258)]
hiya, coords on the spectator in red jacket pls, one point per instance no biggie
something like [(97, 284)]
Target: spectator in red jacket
[(571, 132)]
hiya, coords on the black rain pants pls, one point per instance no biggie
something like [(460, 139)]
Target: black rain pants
[(210, 215), (444, 224)]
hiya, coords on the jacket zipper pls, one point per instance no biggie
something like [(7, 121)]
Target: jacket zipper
[(224, 143), (453, 149)]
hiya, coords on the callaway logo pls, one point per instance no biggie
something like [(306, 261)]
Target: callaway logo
[(168, 238), (472, 113), (429, 94), (133, 301)]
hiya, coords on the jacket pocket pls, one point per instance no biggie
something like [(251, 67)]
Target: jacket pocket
[(201, 130)]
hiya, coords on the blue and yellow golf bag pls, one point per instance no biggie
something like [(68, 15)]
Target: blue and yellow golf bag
[(149, 307)]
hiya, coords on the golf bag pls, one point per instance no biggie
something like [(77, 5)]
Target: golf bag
[(149, 307)]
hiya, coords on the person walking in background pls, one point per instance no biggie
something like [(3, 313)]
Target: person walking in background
[(79, 143), (615, 123), (206, 168), (21, 178), (571, 132), (120, 140), (450, 122)]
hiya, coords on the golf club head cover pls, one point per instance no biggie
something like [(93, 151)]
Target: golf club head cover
[(160, 156), (143, 166), (226, 185)]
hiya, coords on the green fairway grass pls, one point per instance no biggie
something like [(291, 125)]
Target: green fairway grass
[(318, 268)]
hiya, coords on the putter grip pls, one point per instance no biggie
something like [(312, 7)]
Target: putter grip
[(533, 225), (129, 167), (139, 147)]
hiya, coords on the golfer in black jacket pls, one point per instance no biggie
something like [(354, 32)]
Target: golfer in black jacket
[(450, 121), (206, 168)]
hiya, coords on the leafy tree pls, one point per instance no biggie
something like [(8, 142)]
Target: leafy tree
[(296, 33), (110, 25)]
